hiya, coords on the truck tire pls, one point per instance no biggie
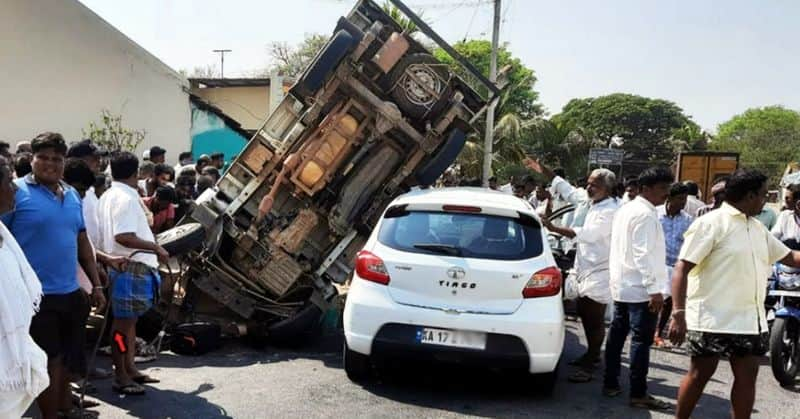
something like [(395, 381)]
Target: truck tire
[(442, 159), (352, 29), (411, 98), (358, 190), (340, 44), (784, 352), (297, 329), (182, 239)]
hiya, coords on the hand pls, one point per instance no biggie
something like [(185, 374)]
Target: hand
[(118, 263), (538, 167), (547, 223), (98, 299), (656, 302), (163, 255), (677, 328)]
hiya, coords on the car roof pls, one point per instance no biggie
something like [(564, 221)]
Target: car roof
[(489, 200)]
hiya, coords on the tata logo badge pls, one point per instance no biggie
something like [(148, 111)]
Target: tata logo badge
[(456, 273)]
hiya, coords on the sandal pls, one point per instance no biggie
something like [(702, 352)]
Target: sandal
[(132, 389), (651, 403), (76, 401), (75, 413), (145, 379), (580, 376), (612, 391)]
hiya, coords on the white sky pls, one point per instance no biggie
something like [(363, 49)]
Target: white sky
[(714, 58)]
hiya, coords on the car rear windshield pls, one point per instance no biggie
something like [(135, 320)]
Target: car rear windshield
[(477, 236)]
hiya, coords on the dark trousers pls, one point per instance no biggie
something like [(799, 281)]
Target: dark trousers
[(592, 315), (636, 318), (663, 318)]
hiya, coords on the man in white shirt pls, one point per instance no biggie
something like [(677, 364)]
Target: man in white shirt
[(788, 224), (89, 153), (693, 202), (124, 230), (718, 289), (637, 276), (593, 238)]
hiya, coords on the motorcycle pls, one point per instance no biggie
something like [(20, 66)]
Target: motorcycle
[(784, 339)]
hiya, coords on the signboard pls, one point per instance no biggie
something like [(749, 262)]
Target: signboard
[(606, 156)]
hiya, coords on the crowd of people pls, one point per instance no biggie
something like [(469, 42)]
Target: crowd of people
[(674, 269), (79, 224), (78, 231)]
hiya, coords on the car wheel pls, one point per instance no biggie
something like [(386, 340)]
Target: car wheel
[(426, 92), (442, 159), (182, 239), (359, 189), (356, 365), (325, 64), (543, 384)]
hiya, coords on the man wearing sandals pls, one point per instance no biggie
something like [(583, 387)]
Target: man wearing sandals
[(124, 231), (718, 289), (638, 276), (48, 224), (592, 234)]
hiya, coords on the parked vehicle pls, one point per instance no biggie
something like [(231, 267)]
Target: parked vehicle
[(706, 168), (456, 275), (785, 329), (373, 115)]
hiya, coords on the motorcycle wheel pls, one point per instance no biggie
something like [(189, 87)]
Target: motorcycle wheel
[(784, 350)]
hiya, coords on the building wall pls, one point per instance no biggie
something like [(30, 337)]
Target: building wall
[(62, 64), (248, 105), (211, 134)]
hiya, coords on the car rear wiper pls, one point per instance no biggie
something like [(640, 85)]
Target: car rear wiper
[(445, 249)]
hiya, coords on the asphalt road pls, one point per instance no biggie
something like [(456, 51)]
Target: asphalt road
[(241, 382)]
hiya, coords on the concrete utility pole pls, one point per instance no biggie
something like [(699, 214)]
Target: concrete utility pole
[(222, 61), (489, 140)]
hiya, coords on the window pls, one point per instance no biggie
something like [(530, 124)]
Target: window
[(468, 235)]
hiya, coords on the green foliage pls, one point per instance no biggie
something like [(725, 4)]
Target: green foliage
[(111, 135), (291, 61), (767, 138), (518, 96), (395, 13), (517, 112), (651, 131)]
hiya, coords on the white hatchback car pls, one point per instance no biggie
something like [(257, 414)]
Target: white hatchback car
[(458, 275)]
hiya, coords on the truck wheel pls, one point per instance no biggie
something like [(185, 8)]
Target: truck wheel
[(356, 365), (442, 159), (415, 100), (358, 190), (784, 350), (182, 239), (324, 64)]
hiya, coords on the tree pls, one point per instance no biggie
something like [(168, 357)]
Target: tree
[(518, 96), (111, 135), (767, 138), (651, 131), (395, 13), (209, 71), (516, 114), (291, 61)]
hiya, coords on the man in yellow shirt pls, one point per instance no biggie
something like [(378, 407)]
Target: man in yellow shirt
[(718, 291)]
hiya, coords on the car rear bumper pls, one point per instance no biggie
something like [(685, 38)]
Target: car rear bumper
[(532, 337)]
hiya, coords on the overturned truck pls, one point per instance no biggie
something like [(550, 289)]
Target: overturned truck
[(373, 115)]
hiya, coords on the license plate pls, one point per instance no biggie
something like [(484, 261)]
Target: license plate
[(454, 338)]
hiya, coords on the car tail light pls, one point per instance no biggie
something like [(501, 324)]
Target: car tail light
[(545, 283), (461, 208), (371, 268)]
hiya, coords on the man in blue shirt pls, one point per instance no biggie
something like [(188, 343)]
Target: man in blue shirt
[(49, 226), (675, 221)]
